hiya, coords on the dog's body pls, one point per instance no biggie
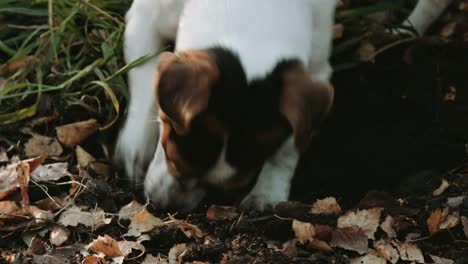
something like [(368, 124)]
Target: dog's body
[(243, 93)]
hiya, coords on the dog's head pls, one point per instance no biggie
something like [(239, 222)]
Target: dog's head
[(216, 123)]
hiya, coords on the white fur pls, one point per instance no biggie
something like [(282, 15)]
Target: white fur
[(262, 32), (222, 170), (148, 23), (425, 13), (274, 182)]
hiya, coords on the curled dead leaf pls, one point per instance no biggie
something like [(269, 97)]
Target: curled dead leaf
[(59, 235), (84, 158), (39, 145), (304, 231), (216, 213), (177, 253), (142, 222), (326, 206), (41, 216), (128, 211), (105, 245), (73, 134), (50, 172), (387, 227), (190, 230), (442, 219), (443, 186), (350, 238), (370, 258), (368, 220), (387, 250), (439, 260), (410, 252), (74, 216)]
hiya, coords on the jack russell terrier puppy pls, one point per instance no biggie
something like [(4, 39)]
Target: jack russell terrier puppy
[(239, 99)]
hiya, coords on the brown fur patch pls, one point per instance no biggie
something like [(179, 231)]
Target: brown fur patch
[(305, 103), (183, 86)]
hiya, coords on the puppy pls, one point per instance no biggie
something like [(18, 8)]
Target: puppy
[(239, 99)]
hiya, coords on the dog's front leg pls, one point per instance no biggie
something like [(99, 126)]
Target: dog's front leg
[(425, 12), (274, 182)]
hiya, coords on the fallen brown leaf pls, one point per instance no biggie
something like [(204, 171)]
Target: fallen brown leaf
[(50, 172), (387, 227), (441, 219), (366, 52), (94, 260), (439, 260), (126, 247), (368, 220), (350, 238), (464, 221), (23, 178), (9, 211), (74, 216), (37, 246), (402, 223), (59, 235), (73, 134), (190, 230), (142, 222), (217, 213), (53, 203), (370, 258), (304, 231), (410, 252), (387, 250), (9, 181), (326, 206), (443, 186), (455, 202), (41, 216), (177, 253), (128, 211), (105, 245), (17, 63), (39, 145), (319, 245), (83, 158)]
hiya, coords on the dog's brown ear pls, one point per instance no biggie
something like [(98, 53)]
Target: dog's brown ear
[(305, 103), (183, 86)]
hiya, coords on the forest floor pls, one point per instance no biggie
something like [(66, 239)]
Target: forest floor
[(386, 181)]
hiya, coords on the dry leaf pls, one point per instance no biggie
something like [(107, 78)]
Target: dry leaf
[(366, 52), (9, 181), (217, 213), (126, 247), (410, 252), (326, 206), (370, 258), (319, 245), (439, 260), (464, 221), (3, 155), (455, 202), (402, 223), (50, 203), (39, 145), (150, 259), (41, 216), (142, 222), (387, 250), (176, 254), (304, 231), (73, 134), (105, 245), (443, 186), (23, 178), (367, 220), (59, 235), (50, 172), (387, 227), (83, 158), (350, 238), (94, 260), (128, 211), (37, 246), (190, 230), (441, 219), (8, 211), (17, 63), (74, 216)]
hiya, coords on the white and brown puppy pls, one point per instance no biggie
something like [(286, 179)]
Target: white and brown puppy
[(239, 99)]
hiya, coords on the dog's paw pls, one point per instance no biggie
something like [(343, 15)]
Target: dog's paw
[(135, 148), (258, 202)]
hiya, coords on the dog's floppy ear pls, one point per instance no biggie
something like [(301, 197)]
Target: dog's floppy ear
[(183, 86), (304, 102)]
